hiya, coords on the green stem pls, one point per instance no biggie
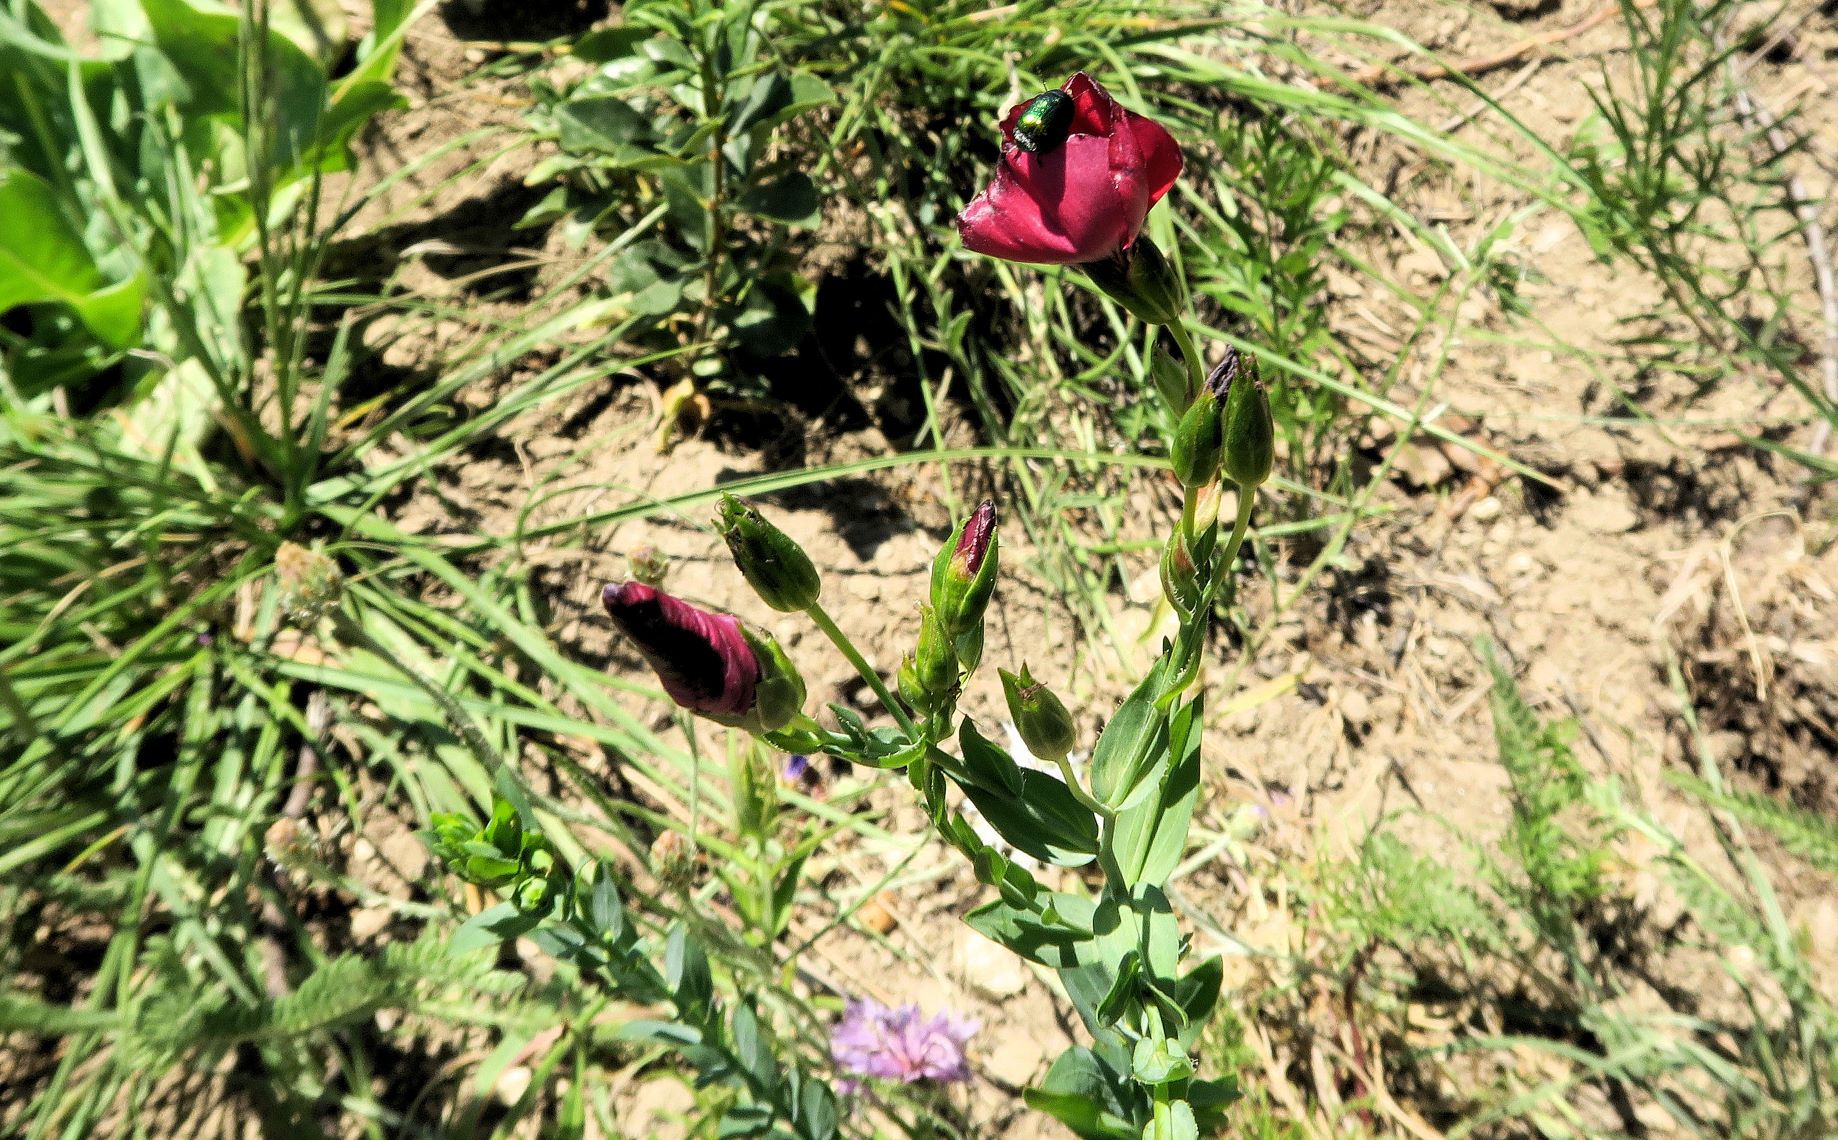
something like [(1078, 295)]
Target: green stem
[(1196, 364), (1103, 810), (1247, 498), (841, 641)]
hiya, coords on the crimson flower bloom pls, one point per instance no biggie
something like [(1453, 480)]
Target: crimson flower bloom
[(1076, 201), (703, 659)]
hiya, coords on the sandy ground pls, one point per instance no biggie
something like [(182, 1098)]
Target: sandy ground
[(1643, 543)]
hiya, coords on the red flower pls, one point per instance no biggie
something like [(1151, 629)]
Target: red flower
[(1081, 200), (703, 659)]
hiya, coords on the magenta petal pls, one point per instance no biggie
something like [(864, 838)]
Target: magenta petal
[(702, 659), (1094, 111), (1059, 208), (1160, 153)]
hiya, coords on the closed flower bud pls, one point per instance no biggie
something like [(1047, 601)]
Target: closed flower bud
[(780, 693), (934, 663), (964, 573), (1199, 443), (775, 566), (1250, 436), (1180, 577), (707, 662), (1172, 380), (1041, 719), (911, 690), (1142, 280)]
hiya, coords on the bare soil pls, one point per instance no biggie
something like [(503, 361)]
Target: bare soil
[(1640, 547)]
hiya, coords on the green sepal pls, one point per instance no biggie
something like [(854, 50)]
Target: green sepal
[(1199, 443), (1249, 432), (1046, 727), (779, 695), (775, 566), (1143, 281)]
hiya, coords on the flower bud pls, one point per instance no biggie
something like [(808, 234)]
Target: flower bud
[(779, 697), (964, 573), (776, 567), (649, 565), (1250, 436), (1041, 719), (1142, 280), (1198, 443), (1172, 380), (1180, 577), (706, 662), (911, 690), (934, 665)]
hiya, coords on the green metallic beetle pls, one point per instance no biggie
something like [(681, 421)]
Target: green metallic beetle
[(1044, 122)]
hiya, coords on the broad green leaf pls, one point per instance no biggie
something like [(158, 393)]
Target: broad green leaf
[(389, 21), (791, 199), (43, 259), (489, 927), (988, 764), (660, 1032), (686, 972), (817, 1110), (1197, 994), (1082, 1093), (355, 105), (603, 45), (316, 27), (1150, 834), (1027, 934), (604, 124), (1129, 741), (1044, 820), (201, 41)]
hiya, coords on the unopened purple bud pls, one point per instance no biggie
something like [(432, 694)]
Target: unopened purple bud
[(964, 573), (1219, 380), (978, 536), (703, 660)]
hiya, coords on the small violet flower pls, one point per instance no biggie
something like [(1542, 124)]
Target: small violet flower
[(873, 1040)]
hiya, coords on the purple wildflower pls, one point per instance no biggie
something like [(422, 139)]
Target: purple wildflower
[(873, 1040)]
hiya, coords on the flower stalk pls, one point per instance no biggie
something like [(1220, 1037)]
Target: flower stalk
[(1077, 178)]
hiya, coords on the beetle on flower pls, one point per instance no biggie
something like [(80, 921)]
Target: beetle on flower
[(1077, 199)]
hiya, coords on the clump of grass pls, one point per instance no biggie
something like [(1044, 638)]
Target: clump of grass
[(1538, 950)]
